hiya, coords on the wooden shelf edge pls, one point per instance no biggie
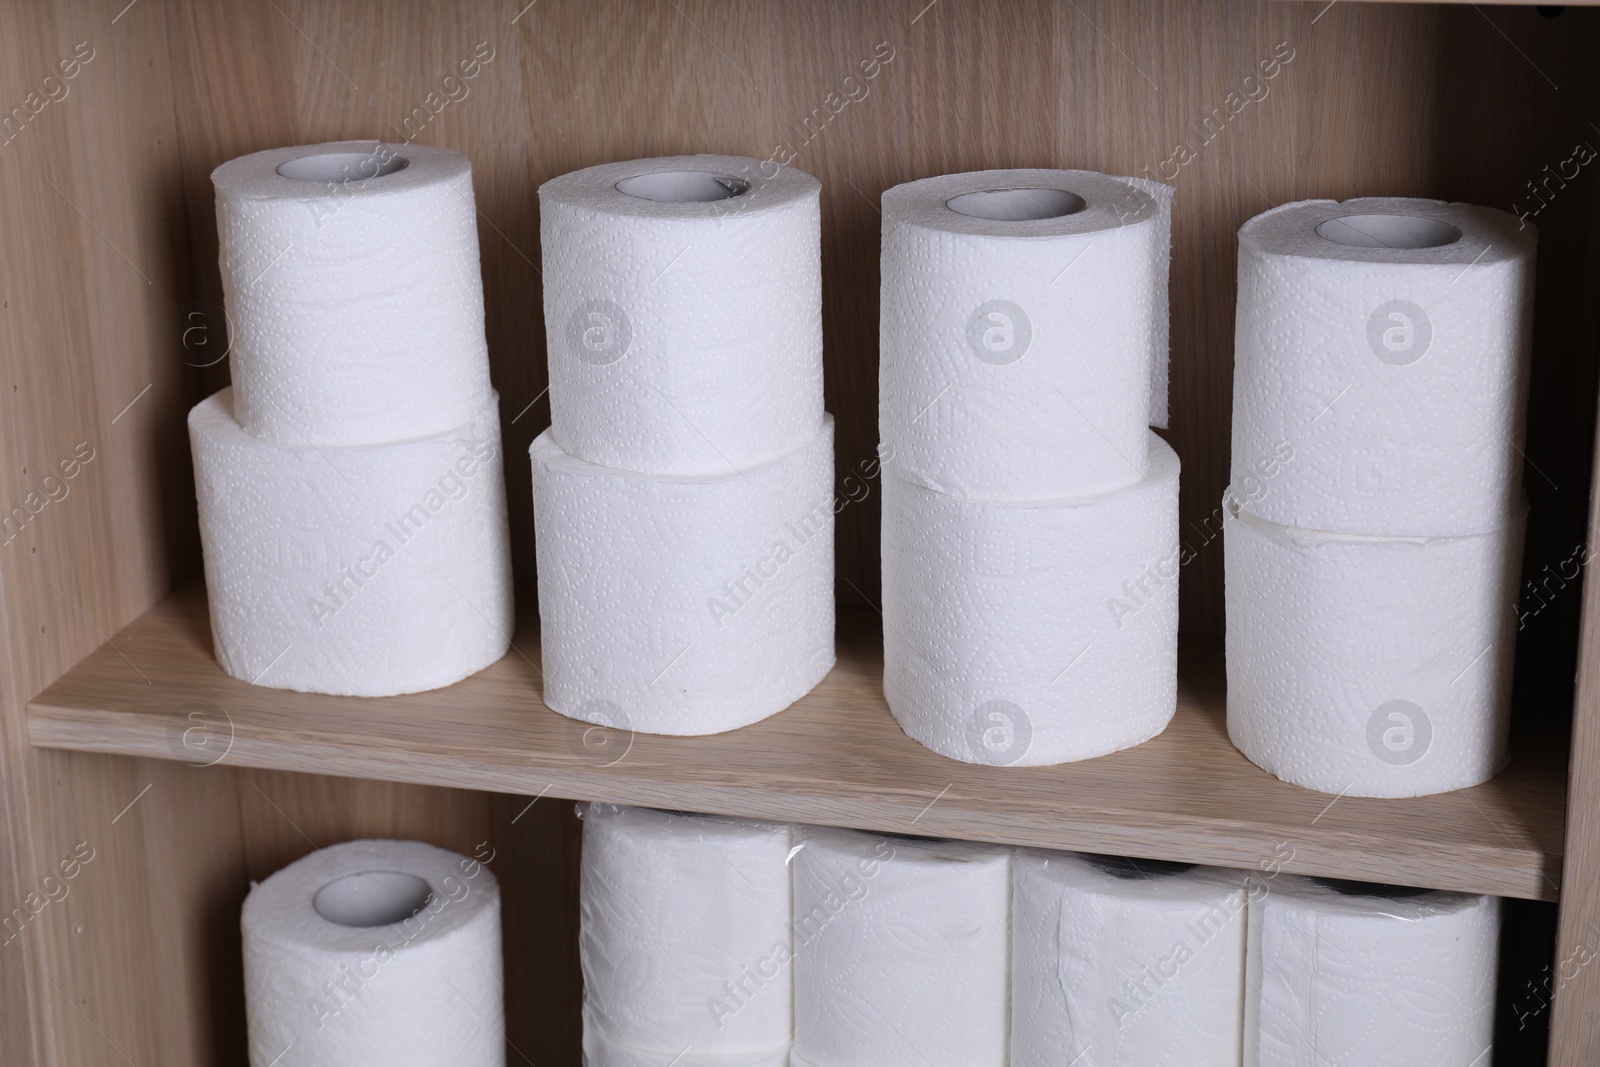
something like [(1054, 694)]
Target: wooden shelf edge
[(834, 758)]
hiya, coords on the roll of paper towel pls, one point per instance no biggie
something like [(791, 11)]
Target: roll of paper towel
[(354, 300), (1370, 666), (684, 939), (373, 953), (1028, 634), (683, 312), (901, 951), (673, 604), (1383, 344), (1346, 974), (1018, 331), (1125, 963), (358, 571)]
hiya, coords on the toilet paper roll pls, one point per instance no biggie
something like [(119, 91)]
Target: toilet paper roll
[(357, 571), (354, 300), (683, 312), (672, 604), (684, 939), (372, 953), (1342, 974), (1125, 963), (1017, 332), (1384, 344), (1028, 634), (901, 952), (1370, 666)]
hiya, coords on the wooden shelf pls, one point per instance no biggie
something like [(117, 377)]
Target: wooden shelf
[(836, 757)]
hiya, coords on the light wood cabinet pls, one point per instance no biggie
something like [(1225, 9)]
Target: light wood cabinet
[(122, 740)]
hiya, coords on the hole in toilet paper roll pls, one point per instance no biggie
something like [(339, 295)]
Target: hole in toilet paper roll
[(371, 898), (1129, 867), (343, 166), (683, 186), (1017, 205), (1349, 888), (1388, 231)]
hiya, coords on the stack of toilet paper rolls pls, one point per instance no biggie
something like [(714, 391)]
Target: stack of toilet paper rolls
[(683, 494), (1030, 516), (352, 510), (716, 942), (1376, 516)]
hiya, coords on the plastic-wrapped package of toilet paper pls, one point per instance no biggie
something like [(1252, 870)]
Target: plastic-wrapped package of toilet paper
[(373, 953), (684, 939), (902, 951), (1018, 330), (1349, 974), (353, 570), (1125, 963), (1385, 343), (1032, 633), (683, 312), (354, 299), (1370, 666), (673, 604)]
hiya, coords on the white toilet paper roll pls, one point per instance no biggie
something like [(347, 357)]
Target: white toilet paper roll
[(684, 938), (672, 604), (1125, 963), (1028, 634), (1017, 332), (1370, 666), (358, 571), (1340, 978), (373, 953), (683, 312), (1385, 342), (901, 952), (354, 300)]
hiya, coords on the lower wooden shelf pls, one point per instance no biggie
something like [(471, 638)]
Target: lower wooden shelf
[(836, 757)]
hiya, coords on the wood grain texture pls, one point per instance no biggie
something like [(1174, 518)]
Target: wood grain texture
[(1574, 978), (836, 757), (109, 254)]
